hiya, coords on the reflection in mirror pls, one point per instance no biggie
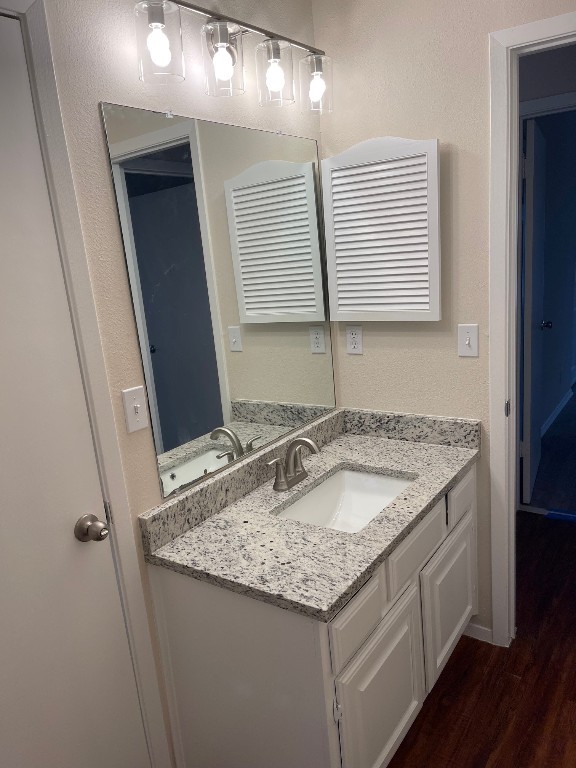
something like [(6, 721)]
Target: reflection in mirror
[(220, 232)]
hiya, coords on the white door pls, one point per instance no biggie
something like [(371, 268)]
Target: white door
[(533, 344), (448, 586), (382, 689), (68, 694)]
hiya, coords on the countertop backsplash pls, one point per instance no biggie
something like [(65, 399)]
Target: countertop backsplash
[(163, 524)]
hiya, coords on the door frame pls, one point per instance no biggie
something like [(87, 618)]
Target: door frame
[(93, 370), (506, 47)]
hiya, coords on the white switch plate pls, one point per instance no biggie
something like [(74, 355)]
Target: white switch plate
[(235, 338), (468, 340), (135, 409), (317, 340), (354, 340)]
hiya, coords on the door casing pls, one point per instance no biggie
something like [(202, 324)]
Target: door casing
[(506, 47)]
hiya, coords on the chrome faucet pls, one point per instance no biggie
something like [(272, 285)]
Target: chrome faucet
[(237, 449), (292, 471)]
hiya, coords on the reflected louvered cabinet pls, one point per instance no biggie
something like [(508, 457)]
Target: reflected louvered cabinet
[(382, 231), (274, 241)]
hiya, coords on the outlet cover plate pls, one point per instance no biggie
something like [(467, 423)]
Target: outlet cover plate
[(354, 345), (317, 340)]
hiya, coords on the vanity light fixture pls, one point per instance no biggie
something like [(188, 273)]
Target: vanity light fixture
[(161, 58), (223, 58), (274, 73), (159, 37), (316, 83)]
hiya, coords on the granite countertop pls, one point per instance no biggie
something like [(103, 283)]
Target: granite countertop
[(307, 569)]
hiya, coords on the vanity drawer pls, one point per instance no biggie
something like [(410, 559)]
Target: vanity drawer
[(416, 549), (462, 498), (357, 620)]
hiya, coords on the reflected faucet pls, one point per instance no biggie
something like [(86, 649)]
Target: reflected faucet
[(237, 450), (292, 472)]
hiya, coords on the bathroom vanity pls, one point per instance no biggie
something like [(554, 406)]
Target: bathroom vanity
[(295, 644)]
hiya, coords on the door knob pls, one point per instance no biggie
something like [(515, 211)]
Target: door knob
[(545, 324), (89, 528)]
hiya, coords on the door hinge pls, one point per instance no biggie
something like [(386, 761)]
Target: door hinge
[(108, 513), (507, 408), (336, 711)]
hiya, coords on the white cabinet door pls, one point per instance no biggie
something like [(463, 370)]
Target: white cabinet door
[(382, 689), (448, 584)]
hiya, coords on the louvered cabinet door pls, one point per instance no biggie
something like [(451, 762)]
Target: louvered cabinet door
[(274, 240), (382, 231)]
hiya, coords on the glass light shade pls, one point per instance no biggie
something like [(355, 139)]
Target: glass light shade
[(274, 73), (159, 37), (223, 58), (316, 83)]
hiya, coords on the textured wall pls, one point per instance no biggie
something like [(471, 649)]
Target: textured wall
[(420, 69), (95, 60)]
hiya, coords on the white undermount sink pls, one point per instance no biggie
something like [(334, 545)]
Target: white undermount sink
[(346, 501), (192, 469)]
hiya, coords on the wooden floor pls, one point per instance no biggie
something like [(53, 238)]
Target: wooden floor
[(555, 487), (511, 707)]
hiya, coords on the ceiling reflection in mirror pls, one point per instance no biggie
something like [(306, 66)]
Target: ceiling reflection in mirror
[(221, 236)]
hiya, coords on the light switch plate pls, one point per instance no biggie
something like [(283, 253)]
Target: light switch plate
[(317, 340), (235, 338), (135, 409), (354, 345), (468, 340)]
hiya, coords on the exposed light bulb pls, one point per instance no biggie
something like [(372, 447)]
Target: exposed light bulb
[(275, 78), (223, 63), (159, 47), (317, 87)]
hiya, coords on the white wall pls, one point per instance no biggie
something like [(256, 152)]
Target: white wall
[(420, 69), (94, 54)]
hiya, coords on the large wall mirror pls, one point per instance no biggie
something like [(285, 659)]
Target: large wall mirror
[(221, 236)]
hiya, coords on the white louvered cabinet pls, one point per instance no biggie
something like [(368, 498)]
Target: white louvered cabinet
[(382, 231), (274, 241)]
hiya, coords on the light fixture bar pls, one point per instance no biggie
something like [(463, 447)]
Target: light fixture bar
[(249, 27)]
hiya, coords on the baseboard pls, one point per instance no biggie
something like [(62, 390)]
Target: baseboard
[(478, 632), (555, 413)]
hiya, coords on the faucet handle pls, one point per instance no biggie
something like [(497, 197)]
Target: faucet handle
[(229, 454), (250, 443), (298, 466), (280, 483)]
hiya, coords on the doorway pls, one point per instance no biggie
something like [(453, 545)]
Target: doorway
[(507, 48), (547, 302)]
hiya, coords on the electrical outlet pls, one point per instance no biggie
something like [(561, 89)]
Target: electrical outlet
[(354, 340), (235, 338), (317, 340)]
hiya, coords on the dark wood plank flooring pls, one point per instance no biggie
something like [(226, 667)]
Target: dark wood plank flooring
[(511, 707), (555, 487)]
